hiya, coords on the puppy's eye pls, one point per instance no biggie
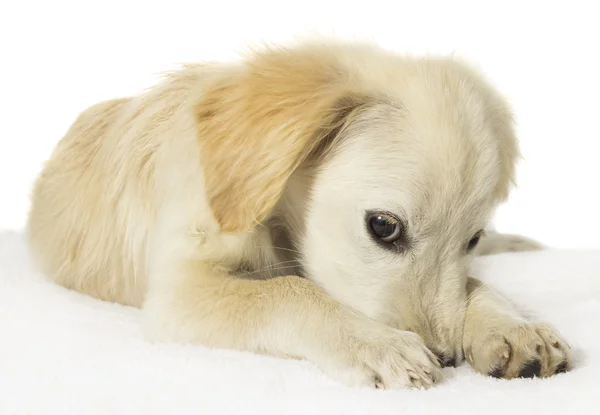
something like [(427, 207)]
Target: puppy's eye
[(384, 227), (474, 241)]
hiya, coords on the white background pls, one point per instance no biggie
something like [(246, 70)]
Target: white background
[(57, 57)]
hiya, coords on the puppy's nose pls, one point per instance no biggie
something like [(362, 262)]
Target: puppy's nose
[(444, 359)]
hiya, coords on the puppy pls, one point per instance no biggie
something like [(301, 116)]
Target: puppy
[(321, 201)]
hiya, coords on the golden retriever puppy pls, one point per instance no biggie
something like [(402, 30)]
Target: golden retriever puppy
[(320, 201)]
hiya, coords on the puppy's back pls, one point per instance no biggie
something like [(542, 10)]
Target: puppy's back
[(72, 238)]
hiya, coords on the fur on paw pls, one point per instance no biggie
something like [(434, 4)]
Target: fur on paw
[(520, 351), (385, 359)]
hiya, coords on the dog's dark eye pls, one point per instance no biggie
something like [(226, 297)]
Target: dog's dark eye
[(474, 241), (384, 227)]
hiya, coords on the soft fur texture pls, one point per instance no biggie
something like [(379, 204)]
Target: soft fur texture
[(208, 198), (68, 354)]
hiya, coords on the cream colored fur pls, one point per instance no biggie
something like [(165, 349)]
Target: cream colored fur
[(229, 203)]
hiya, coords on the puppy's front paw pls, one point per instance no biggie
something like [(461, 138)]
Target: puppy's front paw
[(519, 350), (383, 357)]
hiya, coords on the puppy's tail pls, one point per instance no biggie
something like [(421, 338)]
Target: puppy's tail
[(496, 243)]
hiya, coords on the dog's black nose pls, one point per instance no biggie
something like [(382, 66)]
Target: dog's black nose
[(445, 360)]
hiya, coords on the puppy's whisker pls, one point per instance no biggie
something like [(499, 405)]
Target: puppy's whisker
[(274, 266), (295, 251), (269, 271)]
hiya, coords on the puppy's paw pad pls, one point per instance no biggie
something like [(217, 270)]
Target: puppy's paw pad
[(563, 367), (530, 369), (530, 350)]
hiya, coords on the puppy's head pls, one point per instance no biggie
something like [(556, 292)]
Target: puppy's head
[(386, 168)]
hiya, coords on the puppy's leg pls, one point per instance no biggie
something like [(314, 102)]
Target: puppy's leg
[(500, 342), (285, 316), (496, 243)]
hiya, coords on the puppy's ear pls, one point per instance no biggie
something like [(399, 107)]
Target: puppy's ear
[(509, 153), (258, 124)]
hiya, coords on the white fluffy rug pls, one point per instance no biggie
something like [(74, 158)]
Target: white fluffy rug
[(65, 353)]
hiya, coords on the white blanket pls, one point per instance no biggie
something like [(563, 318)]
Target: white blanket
[(65, 353)]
